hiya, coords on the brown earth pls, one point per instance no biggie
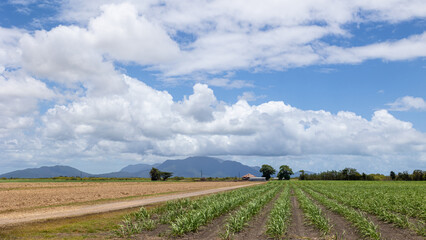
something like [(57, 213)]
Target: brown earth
[(23, 196), (341, 228), (391, 232), (257, 226), (298, 229), (19, 217)]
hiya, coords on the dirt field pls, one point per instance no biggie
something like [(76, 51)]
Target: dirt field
[(16, 197)]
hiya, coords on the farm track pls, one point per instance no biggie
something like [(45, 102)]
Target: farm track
[(106, 207)]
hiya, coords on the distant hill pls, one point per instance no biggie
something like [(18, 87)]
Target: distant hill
[(189, 167), (46, 172), (207, 166), (138, 167)]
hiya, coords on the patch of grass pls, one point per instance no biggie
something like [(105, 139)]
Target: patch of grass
[(96, 226)]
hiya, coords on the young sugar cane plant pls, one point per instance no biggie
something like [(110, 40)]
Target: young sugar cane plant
[(313, 213), (239, 220), (366, 227), (280, 216), (214, 207)]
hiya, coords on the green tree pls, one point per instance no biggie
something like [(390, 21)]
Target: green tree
[(418, 175), (267, 171), (392, 175), (302, 175), (155, 174), (165, 175), (285, 172)]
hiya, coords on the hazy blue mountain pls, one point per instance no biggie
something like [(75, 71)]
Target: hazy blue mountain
[(46, 172), (207, 166), (138, 167), (189, 167)]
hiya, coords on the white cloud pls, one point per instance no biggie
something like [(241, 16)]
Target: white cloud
[(408, 103), (146, 121), (19, 97), (220, 36), (403, 49)]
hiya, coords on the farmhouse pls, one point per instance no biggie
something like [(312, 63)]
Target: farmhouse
[(248, 176), (251, 177)]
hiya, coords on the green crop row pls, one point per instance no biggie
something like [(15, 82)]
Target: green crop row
[(280, 215), (313, 213), (186, 214), (374, 206), (358, 219), (408, 199), (237, 221), (212, 208)]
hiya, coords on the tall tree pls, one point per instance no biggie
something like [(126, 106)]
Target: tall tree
[(165, 175), (392, 175), (155, 174), (285, 172), (302, 175), (267, 171)]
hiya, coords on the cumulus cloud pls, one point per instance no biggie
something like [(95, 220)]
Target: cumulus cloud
[(19, 97), (114, 116), (408, 103), (403, 49), (218, 36), (150, 122)]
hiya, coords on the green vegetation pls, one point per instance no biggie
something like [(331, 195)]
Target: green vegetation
[(267, 171), (365, 226), (236, 222), (280, 215), (313, 213), (391, 202), (285, 172)]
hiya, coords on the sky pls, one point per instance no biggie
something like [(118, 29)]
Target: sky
[(316, 84)]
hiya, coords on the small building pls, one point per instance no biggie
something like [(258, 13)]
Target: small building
[(248, 176), (260, 179)]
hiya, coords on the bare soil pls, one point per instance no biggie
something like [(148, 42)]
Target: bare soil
[(342, 229), (391, 232), (257, 226), (14, 218), (298, 228), (24, 196)]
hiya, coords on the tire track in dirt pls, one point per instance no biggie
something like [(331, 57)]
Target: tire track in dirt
[(298, 228), (106, 207)]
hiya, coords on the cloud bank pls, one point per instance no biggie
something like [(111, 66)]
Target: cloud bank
[(64, 96)]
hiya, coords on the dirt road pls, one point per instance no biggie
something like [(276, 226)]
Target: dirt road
[(15, 219)]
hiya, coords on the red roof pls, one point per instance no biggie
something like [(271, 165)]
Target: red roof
[(248, 175)]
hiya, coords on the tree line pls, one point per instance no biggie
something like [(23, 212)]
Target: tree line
[(353, 174), (344, 174)]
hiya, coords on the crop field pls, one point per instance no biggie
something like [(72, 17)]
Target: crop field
[(276, 210), (289, 210), (23, 196)]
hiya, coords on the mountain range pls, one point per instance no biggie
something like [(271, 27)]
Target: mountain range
[(188, 167)]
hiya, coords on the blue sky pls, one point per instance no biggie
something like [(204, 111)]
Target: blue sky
[(101, 84)]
